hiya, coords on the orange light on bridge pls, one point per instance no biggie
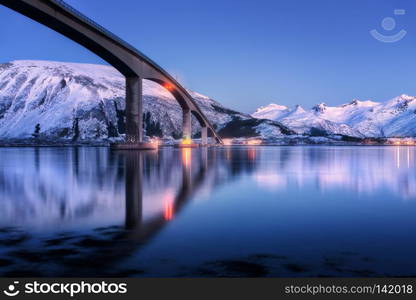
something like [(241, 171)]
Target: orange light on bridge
[(168, 86)]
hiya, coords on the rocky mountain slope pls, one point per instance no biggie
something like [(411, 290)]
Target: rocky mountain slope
[(393, 118), (84, 102), (55, 101)]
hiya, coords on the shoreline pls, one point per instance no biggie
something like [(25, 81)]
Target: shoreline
[(295, 141), (213, 145)]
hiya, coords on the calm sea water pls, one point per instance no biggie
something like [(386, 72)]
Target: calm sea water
[(240, 212)]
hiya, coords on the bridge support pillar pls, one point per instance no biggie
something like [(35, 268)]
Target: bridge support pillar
[(134, 117), (134, 110), (204, 135), (186, 125), (187, 131)]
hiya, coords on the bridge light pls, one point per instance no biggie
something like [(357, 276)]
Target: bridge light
[(186, 141), (168, 86)]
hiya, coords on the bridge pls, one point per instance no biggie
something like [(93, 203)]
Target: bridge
[(129, 61)]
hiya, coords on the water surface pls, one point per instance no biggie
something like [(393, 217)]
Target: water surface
[(230, 211)]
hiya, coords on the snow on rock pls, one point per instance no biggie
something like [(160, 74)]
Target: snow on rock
[(271, 111), (309, 122), (85, 102), (393, 118)]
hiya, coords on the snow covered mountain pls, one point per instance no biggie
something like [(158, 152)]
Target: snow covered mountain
[(84, 102), (393, 118)]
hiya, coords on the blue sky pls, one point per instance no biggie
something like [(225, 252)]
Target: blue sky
[(248, 53)]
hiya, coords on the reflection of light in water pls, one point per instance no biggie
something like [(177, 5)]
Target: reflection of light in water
[(251, 153), (186, 156), (398, 157), (270, 180), (228, 154), (408, 157), (55, 194), (168, 200), (168, 210)]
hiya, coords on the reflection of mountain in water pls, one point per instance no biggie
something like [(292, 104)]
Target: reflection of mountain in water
[(85, 211), (53, 186), (355, 169), (92, 189), (57, 186)]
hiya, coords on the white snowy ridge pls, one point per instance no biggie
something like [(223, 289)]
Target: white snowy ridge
[(392, 118), (85, 102)]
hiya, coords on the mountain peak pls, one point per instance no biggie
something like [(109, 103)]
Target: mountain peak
[(298, 109), (401, 100), (319, 108), (356, 102), (84, 102), (271, 106), (404, 97), (271, 111)]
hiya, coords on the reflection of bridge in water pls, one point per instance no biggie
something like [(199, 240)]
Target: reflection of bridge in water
[(142, 178), (129, 61), (190, 183), (95, 212), (138, 228)]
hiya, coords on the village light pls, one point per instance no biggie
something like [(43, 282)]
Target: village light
[(254, 142), (186, 141)]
